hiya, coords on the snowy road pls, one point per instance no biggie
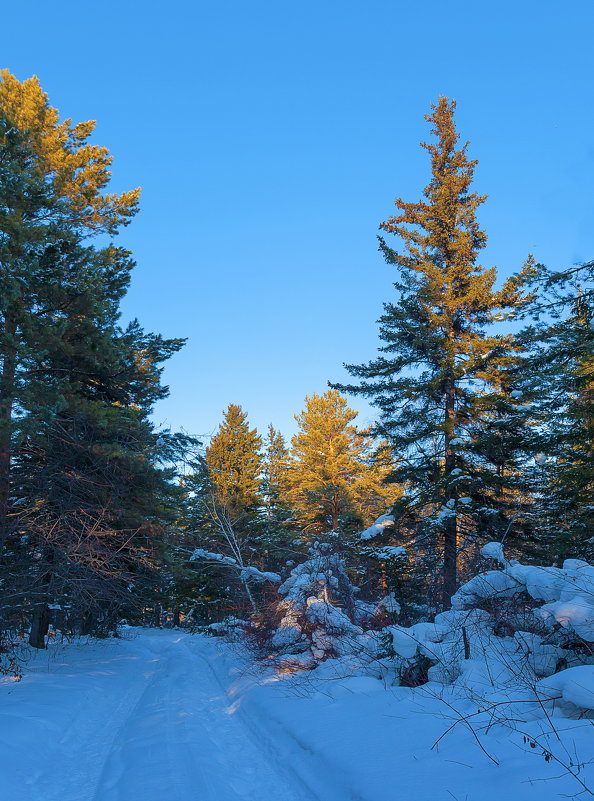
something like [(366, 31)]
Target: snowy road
[(145, 720), (167, 716)]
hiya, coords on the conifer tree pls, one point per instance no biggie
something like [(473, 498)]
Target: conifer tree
[(84, 493), (276, 476), (52, 184), (234, 464), (234, 489), (438, 349), (335, 481), (556, 377)]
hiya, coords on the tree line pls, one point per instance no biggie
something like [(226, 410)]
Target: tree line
[(483, 392), (260, 501)]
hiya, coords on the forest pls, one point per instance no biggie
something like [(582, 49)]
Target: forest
[(458, 526)]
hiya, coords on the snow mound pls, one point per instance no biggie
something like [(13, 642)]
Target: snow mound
[(575, 685), (573, 583)]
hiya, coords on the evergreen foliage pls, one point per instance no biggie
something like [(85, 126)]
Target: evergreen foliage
[(315, 616), (336, 481), (439, 356), (556, 379), (484, 431), (86, 486), (234, 464), (276, 477)]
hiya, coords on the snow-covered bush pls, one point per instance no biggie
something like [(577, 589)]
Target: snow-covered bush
[(517, 625), (318, 616), (9, 661), (233, 628)]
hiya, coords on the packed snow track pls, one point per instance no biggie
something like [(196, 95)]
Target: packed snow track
[(145, 720)]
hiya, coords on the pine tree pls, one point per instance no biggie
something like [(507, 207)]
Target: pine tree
[(233, 489), (90, 468), (276, 476), (438, 349), (234, 463), (85, 496), (335, 481), (74, 172), (51, 197)]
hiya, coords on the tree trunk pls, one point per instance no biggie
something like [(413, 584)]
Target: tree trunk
[(6, 403), (335, 510), (39, 626), (157, 616), (88, 622), (450, 527)]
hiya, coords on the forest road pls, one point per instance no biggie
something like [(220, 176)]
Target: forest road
[(146, 721)]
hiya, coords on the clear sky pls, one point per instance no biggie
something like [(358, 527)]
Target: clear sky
[(270, 139)]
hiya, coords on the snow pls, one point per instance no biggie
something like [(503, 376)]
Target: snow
[(389, 552), (575, 685), (404, 643), (445, 512), (245, 572), (572, 584), (358, 737), (330, 617), (170, 715), (494, 550), (390, 604), (230, 626), (259, 575), (383, 522), (200, 553), (142, 719), (577, 614)]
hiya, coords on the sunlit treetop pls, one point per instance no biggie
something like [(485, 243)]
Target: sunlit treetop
[(76, 170)]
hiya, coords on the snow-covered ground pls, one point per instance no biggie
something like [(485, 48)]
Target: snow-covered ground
[(169, 716), (144, 719)]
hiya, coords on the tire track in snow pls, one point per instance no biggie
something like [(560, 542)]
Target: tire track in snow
[(179, 743), (264, 738), (80, 752)]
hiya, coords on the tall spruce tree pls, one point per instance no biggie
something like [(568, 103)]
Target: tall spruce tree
[(336, 483), (52, 184), (276, 476), (84, 493), (439, 353), (234, 463), (556, 377)]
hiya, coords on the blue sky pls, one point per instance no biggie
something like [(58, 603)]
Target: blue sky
[(270, 139)]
